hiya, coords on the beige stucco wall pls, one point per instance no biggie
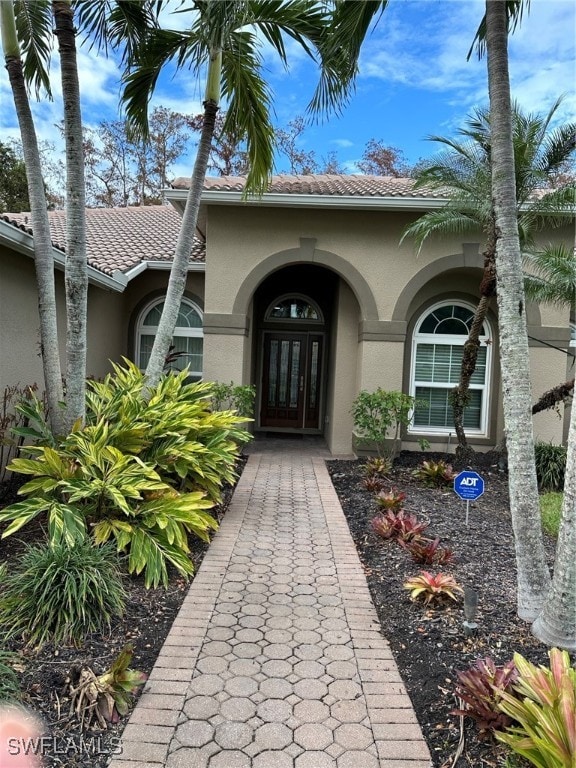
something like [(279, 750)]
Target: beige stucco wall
[(343, 372), (391, 285), (20, 361)]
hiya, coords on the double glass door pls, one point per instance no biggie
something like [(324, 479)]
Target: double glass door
[(291, 380)]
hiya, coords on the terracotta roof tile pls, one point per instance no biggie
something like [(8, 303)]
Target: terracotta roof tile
[(337, 184), (121, 238)]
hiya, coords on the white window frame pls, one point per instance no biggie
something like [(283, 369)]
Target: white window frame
[(179, 331), (452, 340)]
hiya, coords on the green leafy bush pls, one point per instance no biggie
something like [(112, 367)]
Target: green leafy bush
[(480, 687), (9, 684), (435, 473), (377, 466), (378, 417), (393, 500), (143, 471), (238, 397), (550, 466), (432, 587), (60, 594), (543, 708)]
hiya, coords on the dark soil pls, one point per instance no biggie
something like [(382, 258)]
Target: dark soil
[(45, 673), (429, 643)]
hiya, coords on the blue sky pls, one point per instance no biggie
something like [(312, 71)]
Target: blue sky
[(414, 80)]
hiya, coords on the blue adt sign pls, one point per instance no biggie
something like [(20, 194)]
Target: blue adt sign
[(469, 485)]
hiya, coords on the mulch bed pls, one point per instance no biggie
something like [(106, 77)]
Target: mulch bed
[(45, 674), (429, 643)]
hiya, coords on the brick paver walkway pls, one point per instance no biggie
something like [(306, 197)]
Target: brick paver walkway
[(276, 658)]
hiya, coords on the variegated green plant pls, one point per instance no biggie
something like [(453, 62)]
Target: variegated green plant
[(432, 586), (143, 471), (543, 709)]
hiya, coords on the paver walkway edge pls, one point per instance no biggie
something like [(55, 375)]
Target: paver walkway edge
[(276, 659)]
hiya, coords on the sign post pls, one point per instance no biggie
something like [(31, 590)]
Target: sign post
[(469, 486)]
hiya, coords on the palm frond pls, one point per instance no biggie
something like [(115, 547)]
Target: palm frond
[(122, 24), (161, 47), (34, 27), (446, 221), (514, 13), (340, 51), (551, 276), (249, 107)]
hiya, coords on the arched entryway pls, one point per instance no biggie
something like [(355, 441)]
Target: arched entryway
[(293, 311)]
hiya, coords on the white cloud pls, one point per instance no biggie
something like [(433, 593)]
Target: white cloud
[(344, 143)]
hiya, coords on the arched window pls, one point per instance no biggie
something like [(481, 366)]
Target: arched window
[(294, 307), (188, 337), (437, 345)]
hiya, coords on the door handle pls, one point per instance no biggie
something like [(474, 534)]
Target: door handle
[(301, 383)]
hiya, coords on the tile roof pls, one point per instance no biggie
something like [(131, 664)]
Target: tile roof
[(120, 238), (336, 185)]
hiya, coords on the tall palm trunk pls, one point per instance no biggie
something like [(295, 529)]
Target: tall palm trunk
[(532, 573), (179, 270), (556, 625), (76, 259), (43, 259)]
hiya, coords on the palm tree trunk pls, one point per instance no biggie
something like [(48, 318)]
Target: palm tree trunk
[(179, 270), (556, 625), (76, 259), (532, 573), (43, 259)]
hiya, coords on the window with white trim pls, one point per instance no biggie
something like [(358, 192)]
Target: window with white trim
[(437, 347), (188, 339)]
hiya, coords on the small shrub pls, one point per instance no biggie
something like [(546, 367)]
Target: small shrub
[(9, 684), (550, 466), (378, 417), (432, 587), (373, 483), (543, 708), (60, 594), (428, 551), (142, 472), (480, 687), (237, 397), (378, 466), (551, 512), (393, 500), (398, 525), (12, 419), (105, 697), (435, 473)]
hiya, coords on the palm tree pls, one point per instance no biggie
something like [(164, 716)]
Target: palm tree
[(223, 41), (533, 577), (27, 41), (556, 625), (76, 273), (37, 53), (463, 170)]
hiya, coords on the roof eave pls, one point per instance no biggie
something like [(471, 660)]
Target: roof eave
[(23, 242), (287, 200), (130, 274)]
